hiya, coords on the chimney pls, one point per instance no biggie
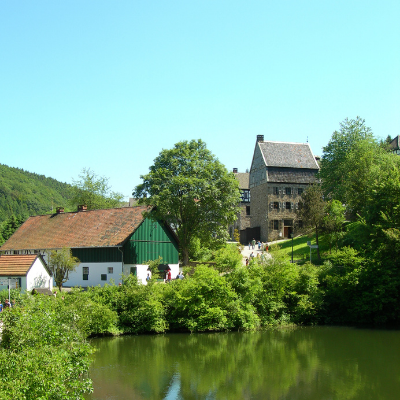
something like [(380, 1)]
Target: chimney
[(260, 138), (82, 207), (60, 210), (235, 170)]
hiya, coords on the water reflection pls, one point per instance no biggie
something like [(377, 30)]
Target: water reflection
[(304, 363)]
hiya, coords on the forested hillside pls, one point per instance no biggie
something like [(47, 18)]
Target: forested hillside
[(24, 193)]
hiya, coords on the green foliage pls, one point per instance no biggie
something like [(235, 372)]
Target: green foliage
[(312, 210), (61, 263), (228, 258), (23, 193), (94, 191), (193, 192), (206, 302), (44, 354), (9, 226), (333, 221)]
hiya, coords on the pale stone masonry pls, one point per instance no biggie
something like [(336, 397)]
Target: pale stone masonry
[(280, 172)]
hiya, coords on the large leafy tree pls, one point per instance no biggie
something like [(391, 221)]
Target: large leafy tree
[(349, 150), (94, 191), (61, 263), (192, 191), (312, 210)]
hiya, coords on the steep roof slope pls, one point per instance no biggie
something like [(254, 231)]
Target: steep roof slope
[(95, 228), (16, 265), (288, 155)]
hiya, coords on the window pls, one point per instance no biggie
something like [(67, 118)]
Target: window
[(300, 191), (288, 205), (288, 190), (245, 195), (85, 273), (276, 205), (275, 190), (276, 224), (247, 210), (103, 277), (110, 270), (134, 271), (288, 222)]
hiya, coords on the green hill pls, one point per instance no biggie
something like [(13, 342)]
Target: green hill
[(24, 193)]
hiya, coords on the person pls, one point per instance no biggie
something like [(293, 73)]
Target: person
[(169, 276), (266, 247), (252, 255), (247, 262), (148, 277), (249, 245), (253, 242), (7, 304), (259, 245), (1, 307)]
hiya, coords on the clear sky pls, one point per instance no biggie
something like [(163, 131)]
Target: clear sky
[(107, 85)]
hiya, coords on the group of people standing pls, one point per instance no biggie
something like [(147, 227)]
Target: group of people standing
[(7, 304)]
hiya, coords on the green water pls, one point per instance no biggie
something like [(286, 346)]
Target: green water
[(303, 363)]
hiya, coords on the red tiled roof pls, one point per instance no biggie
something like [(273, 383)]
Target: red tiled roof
[(95, 228), (16, 265)]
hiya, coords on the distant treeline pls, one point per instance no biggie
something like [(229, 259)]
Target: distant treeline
[(24, 193)]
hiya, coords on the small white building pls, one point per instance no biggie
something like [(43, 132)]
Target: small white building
[(24, 271)]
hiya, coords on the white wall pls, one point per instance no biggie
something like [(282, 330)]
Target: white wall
[(37, 277), (95, 271)]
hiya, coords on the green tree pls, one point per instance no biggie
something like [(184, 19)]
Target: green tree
[(341, 159), (312, 210), (333, 221), (193, 192), (94, 191), (9, 226), (61, 263)]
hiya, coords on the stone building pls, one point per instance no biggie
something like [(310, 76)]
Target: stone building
[(279, 174)]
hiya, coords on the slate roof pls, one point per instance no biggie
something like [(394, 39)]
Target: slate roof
[(395, 143), (94, 228), (16, 265), (243, 178), (288, 155)]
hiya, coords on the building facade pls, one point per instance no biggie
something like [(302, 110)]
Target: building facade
[(109, 243), (280, 172)]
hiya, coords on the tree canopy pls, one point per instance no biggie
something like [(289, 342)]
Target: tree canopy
[(61, 263), (192, 191), (94, 191)]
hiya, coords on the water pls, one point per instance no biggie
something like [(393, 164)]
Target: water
[(313, 363)]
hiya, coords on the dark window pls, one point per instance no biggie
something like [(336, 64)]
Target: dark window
[(134, 271), (85, 277), (288, 222), (110, 270), (276, 224), (276, 205), (103, 277), (300, 191), (288, 205), (275, 190), (245, 195), (85, 272), (247, 210), (288, 190)]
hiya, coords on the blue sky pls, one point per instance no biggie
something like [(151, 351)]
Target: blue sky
[(107, 85)]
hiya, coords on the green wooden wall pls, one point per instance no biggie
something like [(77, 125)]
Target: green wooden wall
[(150, 241)]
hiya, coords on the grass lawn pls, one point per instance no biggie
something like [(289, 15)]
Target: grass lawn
[(301, 251)]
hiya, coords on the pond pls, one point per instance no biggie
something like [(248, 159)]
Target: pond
[(310, 363)]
